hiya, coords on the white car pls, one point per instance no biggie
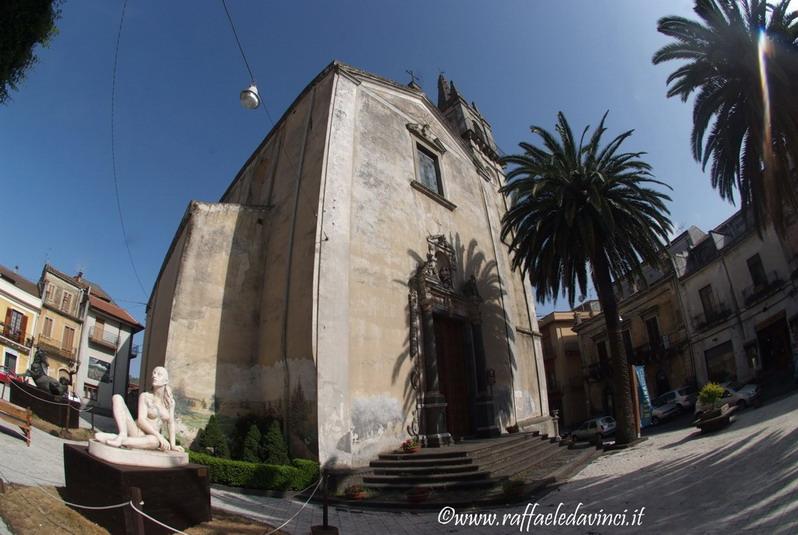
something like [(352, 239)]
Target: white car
[(662, 410), (602, 426), (735, 393), (684, 397)]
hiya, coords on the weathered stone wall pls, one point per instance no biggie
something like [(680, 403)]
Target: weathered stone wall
[(231, 316), (377, 227)]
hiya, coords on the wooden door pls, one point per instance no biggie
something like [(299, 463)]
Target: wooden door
[(452, 373)]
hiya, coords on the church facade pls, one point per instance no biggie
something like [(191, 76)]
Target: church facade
[(352, 282)]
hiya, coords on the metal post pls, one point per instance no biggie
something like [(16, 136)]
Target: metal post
[(326, 500)]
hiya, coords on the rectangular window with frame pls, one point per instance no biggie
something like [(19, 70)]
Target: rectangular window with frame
[(69, 337), (47, 329), (90, 392), (708, 301), (10, 362), (757, 270), (652, 328), (66, 303), (429, 171)]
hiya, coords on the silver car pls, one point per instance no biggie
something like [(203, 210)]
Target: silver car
[(602, 426)]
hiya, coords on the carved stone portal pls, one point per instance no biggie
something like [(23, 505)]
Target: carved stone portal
[(432, 292)]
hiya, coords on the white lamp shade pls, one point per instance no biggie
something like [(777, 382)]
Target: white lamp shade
[(249, 97)]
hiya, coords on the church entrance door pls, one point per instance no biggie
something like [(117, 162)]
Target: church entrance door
[(453, 373)]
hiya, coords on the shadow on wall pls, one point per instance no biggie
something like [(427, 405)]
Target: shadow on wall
[(496, 330)]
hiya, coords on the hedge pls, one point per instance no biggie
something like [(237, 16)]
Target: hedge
[(296, 476)]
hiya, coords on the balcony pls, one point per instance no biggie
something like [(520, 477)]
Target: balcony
[(711, 318), (103, 337), (57, 347), (757, 292), (16, 336), (134, 351)]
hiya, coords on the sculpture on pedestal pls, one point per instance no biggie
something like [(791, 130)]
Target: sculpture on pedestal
[(156, 408), (38, 372)]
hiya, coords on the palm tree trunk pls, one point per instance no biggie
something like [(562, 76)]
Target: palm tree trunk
[(622, 388)]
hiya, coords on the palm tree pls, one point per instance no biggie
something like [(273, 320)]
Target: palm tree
[(575, 208), (743, 67)]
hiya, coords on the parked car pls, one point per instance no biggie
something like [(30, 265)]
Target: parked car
[(602, 426), (661, 410), (735, 393), (685, 397)]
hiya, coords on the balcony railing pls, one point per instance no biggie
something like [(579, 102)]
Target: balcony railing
[(104, 337), (757, 292), (57, 346), (711, 318), (15, 336)]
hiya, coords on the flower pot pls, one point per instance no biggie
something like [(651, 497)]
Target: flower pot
[(361, 495), (411, 450)]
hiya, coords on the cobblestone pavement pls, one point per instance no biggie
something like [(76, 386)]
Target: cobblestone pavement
[(742, 479)]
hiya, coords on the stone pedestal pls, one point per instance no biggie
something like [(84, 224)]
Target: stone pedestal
[(434, 433), (179, 496), (486, 417), (134, 457)]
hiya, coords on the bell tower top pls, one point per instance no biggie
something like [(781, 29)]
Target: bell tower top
[(465, 118)]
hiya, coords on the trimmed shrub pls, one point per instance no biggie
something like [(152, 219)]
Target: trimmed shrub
[(241, 429), (256, 475), (308, 472), (214, 440), (273, 448), (251, 450)]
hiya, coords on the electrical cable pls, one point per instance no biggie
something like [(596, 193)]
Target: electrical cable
[(113, 151)]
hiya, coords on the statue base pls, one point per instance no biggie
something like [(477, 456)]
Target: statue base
[(179, 496), (136, 457)]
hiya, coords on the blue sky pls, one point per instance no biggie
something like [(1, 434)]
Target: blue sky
[(181, 134)]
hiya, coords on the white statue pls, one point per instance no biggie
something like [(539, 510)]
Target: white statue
[(155, 408)]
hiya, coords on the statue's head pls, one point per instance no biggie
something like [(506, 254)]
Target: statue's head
[(160, 377)]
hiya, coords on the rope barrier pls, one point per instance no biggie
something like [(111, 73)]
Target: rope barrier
[(145, 515), (87, 409), (278, 528), (94, 507)]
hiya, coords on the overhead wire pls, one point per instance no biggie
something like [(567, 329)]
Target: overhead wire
[(113, 152)]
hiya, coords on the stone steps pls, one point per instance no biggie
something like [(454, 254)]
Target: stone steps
[(470, 465)]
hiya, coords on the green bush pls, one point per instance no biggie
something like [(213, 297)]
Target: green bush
[(251, 450), (710, 393), (213, 439), (241, 428), (258, 476), (308, 472), (273, 448)]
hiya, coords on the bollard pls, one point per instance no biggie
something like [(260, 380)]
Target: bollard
[(325, 528)]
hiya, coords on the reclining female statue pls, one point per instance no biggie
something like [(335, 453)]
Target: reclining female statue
[(155, 408)]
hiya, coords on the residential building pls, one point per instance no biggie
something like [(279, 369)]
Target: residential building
[(20, 307), (60, 328), (352, 281), (653, 333), (739, 295), (106, 348), (565, 378)]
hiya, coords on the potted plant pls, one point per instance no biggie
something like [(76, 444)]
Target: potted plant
[(710, 398), (418, 494), (512, 428), (355, 492), (410, 445)]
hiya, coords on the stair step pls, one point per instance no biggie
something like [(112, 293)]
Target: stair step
[(443, 485), (421, 463), (425, 453), (529, 462), (425, 470), (419, 479), (503, 454)]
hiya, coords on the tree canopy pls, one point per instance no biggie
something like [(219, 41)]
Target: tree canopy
[(23, 25)]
